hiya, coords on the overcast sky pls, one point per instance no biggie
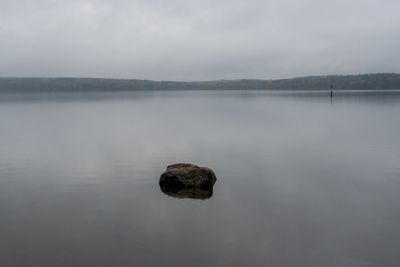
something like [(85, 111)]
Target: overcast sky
[(198, 40)]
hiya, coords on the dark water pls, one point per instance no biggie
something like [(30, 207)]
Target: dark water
[(302, 181)]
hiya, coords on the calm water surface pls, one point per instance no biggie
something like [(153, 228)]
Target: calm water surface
[(302, 181)]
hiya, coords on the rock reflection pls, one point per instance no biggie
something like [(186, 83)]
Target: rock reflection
[(194, 193)]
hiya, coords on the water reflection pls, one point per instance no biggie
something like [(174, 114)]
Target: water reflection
[(305, 183), (194, 193)]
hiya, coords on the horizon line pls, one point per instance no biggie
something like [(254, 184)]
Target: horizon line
[(197, 81)]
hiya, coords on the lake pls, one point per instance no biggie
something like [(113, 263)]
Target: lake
[(303, 180)]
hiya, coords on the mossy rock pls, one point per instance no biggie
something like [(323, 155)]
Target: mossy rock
[(188, 180)]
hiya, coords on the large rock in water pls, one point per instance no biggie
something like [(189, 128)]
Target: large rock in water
[(188, 180)]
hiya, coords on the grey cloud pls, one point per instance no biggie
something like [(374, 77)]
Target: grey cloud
[(198, 40)]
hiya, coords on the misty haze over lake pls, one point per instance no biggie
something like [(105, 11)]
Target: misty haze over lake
[(303, 179), (198, 40), (294, 104)]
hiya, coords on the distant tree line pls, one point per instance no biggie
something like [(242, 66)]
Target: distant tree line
[(381, 81)]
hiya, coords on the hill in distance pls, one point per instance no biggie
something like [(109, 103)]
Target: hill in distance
[(380, 81)]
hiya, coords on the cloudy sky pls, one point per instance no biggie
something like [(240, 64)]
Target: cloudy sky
[(198, 40)]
